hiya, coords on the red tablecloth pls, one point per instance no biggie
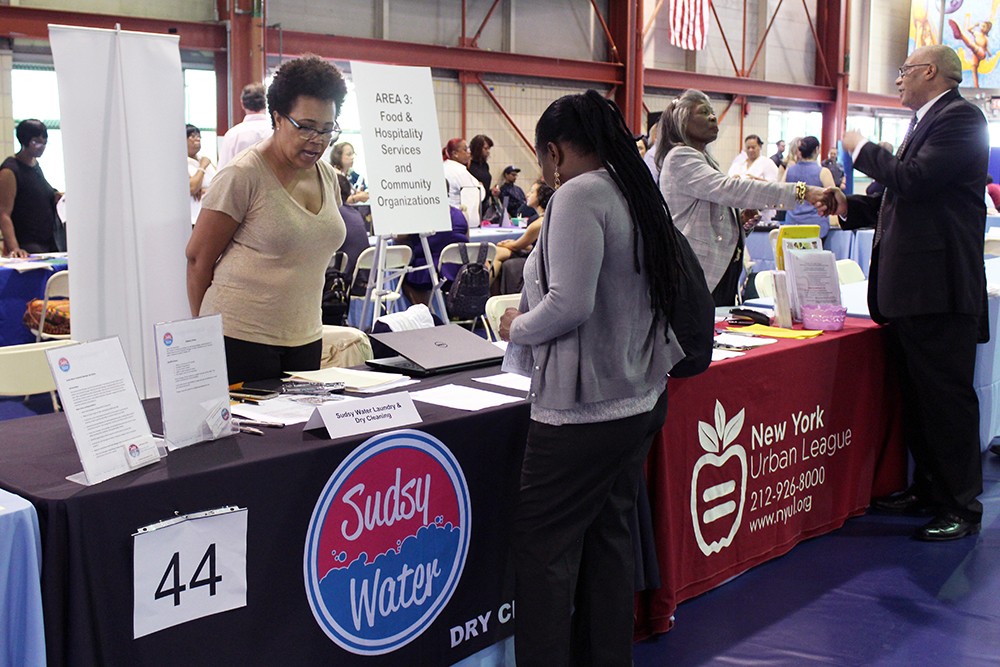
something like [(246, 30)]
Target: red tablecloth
[(780, 445)]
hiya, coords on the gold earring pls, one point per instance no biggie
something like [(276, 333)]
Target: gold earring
[(558, 182)]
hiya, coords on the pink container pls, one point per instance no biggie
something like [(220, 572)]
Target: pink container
[(823, 317)]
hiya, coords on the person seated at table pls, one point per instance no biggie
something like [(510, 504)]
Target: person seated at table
[(356, 240), (342, 159), (700, 198), (267, 230), (511, 192), (508, 266), (417, 283), (809, 171), (28, 217)]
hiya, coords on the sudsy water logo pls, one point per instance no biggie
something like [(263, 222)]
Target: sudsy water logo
[(719, 483), (387, 542)]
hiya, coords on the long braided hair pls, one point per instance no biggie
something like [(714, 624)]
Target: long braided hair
[(595, 125)]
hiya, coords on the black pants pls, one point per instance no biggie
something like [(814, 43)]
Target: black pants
[(724, 293), (572, 544), (247, 362), (936, 356)]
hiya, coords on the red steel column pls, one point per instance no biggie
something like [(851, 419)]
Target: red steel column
[(245, 19), (625, 24), (832, 21)]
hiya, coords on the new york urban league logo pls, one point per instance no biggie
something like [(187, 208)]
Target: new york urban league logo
[(719, 483), (168, 339), (387, 542), (64, 364)]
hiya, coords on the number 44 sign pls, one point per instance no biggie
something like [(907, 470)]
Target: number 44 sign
[(189, 567)]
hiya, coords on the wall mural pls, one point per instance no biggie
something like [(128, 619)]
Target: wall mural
[(967, 27)]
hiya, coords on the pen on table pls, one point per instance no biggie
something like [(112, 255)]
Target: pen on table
[(245, 400), (259, 422), (251, 430)]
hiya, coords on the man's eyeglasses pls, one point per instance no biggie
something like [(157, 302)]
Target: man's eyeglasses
[(310, 133), (906, 68)]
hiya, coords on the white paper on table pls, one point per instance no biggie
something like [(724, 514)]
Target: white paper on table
[(726, 338), (109, 427), (405, 382), (508, 380), (462, 398), (718, 355), (814, 279), (351, 378), (194, 390), (285, 409), (365, 415), (22, 266), (782, 301)]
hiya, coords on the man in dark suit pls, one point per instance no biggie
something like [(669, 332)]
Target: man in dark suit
[(927, 282)]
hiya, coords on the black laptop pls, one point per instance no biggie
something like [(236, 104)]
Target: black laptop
[(435, 350)]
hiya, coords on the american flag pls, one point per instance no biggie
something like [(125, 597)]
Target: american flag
[(688, 23)]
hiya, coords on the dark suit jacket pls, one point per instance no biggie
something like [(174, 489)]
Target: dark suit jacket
[(930, 257)]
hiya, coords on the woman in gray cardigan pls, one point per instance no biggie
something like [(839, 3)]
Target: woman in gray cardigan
[(701, 198), (592, 325)]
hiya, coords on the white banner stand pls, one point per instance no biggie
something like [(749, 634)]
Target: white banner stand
[(121, 99)]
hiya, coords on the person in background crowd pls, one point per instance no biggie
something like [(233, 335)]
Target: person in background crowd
[(652, 129), (598, 392), (201, 171), (511, 192), (755, 167), (508, 265), (806, 169), (417, 284), (701, 198), (876, 188), (929, 232), (993, 193), (790, 159), (479, 167), (640, 144), (254, 128), (342, 159), (268, 227), (356, 240), (27, 202), (836, 169), (779, 156), (457, 156)]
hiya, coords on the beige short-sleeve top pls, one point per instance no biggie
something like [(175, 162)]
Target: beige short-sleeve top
[(268, 283)]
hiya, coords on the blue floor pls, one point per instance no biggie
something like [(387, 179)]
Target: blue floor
[(867, 594)]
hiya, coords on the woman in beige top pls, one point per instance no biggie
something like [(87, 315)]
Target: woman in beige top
[(267, 230)]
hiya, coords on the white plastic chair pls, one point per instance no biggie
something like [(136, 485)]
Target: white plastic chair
[(849, 271), (452, 254), (764, 282), (56, 287), (495, 307), (24, 370), (397, 261)]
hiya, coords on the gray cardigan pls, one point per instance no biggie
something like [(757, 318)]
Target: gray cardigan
[(588, 318), (700, 199)]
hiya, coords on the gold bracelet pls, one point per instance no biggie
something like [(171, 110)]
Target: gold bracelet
[(800, 192)]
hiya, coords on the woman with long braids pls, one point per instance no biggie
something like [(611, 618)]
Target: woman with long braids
[(593, 320), (701, 198)]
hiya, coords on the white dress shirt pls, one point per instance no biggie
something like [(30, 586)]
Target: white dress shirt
[(255, 128)]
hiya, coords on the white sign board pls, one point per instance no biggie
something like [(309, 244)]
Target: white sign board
[(105, 417), (121, 102), (189, 567), (400, 131), (365, 415), (194, 393)]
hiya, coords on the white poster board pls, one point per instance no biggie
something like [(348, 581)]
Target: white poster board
[(121, 100), (400, 131), (106, 419), (194, 391)]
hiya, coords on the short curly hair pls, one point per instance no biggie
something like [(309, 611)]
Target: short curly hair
[(29, 129), (309, 76)]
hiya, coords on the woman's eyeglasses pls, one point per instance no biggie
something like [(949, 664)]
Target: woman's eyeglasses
[(307, 133)]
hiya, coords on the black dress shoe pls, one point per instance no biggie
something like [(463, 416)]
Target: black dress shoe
[(946, 527), (904, 502), (995, 449)]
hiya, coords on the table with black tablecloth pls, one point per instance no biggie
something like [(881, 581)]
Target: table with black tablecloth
[(840, 378)]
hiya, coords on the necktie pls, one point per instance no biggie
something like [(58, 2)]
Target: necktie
[(885, 195)]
